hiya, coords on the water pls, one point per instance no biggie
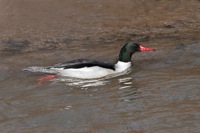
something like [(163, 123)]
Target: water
[(160, 94)]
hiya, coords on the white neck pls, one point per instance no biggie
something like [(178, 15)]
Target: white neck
[(122, 66)]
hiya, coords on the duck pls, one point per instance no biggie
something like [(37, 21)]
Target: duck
[(92, 69)]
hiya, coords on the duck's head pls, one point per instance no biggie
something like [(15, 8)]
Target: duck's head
[(129, 48)]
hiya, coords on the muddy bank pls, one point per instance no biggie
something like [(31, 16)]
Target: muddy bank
[(38, 25)]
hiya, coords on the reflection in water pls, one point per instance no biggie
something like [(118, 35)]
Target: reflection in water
[(170, 102), (75, 81), (128, 91), (92, 82), (79, 82)]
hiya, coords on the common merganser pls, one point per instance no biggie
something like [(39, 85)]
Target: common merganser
[(90, 69)]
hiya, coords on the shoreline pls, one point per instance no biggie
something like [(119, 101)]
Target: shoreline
[(33, 25)]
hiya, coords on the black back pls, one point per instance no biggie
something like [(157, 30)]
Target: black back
[(80, 63)]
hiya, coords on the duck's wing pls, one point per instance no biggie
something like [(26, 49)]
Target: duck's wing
[(80, 63)]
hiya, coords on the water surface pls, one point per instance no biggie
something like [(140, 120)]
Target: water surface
[(160, 94)]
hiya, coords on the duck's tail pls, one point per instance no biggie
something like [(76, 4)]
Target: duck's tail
[(42, 70), (39, 69)]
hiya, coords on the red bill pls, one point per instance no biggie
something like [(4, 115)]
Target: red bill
[(142, 48)]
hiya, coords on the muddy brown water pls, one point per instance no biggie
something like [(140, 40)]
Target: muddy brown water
[(160, 95)]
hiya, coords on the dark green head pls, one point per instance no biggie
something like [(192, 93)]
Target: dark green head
[(129, 48)]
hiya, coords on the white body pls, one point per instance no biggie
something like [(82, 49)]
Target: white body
[(92, 72)]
